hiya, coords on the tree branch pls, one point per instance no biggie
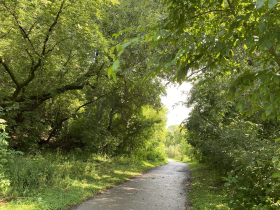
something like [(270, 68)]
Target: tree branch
[(10, 72), (24, 34), (196, 72), (31, 28), (272, 52), (231, 6), (6, 33), (56, 45), (76, 85), (30, 55), (69, 59), (51, 28), (93, 101)]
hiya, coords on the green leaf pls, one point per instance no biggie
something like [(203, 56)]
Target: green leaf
[(110, 70), (269, 110), (151, 62), (259, 4), (149, 38), (262, 27), (112, 50), (272, 98), (232, 89), (116, 65), (241, 105), (268, 43), (120, 52), (276, 79), (275, 158), (254, 97), (276, 175), (263, 116), (272, 3), (277, 139), (125, 45), (114, 76)]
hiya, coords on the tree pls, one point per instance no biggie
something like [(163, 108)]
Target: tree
[(242, 148), (53, 64), (202, 39)]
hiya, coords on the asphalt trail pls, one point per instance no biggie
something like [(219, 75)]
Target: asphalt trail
[(162, 188)]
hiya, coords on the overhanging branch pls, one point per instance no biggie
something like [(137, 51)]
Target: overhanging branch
[(93, 101)]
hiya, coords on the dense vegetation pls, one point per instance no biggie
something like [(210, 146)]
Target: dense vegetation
[(57, 58), (55, 181), (230, 50), (55, 90), (175, 144), (58, 99)]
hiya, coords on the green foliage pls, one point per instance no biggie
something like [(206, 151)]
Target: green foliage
[(57, 181), (201, 39), (240, 147), (3, 143), (4, 183), (206, 190), (176, 146), (172, 151), (230, 49), (54, 60), (174, 135), (56, 95), (251, 183)]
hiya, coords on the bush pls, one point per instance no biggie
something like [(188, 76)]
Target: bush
[(250, 183), (3, 143), (4, 182)]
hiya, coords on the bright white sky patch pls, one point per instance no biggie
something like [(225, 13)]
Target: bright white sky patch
[(174, 94)]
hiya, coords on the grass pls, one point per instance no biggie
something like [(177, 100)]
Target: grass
[(207, 191), (70, 181)]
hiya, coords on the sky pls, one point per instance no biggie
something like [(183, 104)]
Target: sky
[(174, 94)]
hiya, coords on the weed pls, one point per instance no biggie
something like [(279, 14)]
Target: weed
[(207, 190), (56, 181)]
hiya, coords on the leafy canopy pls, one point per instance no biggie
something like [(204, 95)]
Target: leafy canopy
[(202, 39)]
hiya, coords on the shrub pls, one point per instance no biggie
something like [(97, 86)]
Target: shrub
[(4, 182), (250, 183)]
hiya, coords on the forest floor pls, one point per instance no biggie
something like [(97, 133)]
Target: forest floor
[(164, 187)]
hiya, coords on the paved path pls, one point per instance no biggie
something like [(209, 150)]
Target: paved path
[(162, 188)]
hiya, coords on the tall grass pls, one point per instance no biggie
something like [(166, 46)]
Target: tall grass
[(57, 181), (27, 174)]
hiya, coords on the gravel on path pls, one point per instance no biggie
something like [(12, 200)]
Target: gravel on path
[(162, 188)]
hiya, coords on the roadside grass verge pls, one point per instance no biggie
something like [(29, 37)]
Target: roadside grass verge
[(207, 190), (58, 182)]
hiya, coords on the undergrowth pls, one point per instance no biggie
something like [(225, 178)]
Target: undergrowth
[(55, 181), (207, 188)]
